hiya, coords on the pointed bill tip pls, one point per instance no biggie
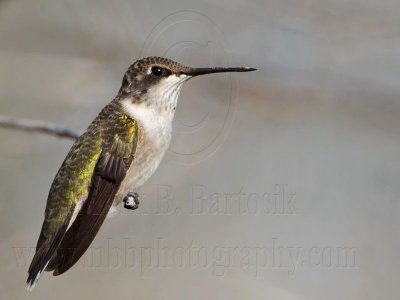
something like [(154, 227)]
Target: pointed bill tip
[(239, 69), (248, 69), (202, 71)]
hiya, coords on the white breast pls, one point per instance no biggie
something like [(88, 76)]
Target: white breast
[(154, 113), (155, 123), (157, 128)]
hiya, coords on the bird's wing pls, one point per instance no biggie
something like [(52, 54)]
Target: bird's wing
[(108, 175), (69, 241), (70, 185)]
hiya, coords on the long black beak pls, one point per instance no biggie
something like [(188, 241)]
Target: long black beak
[(201, 71)]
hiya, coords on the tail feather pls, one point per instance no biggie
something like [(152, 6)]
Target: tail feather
[(42, 257), (34, 276)]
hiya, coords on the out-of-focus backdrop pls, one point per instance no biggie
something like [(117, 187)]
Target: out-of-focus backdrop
[(279, 184)]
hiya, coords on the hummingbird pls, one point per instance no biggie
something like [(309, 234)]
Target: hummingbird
[(117, 153)]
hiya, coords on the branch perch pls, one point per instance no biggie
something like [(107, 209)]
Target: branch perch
[(38, 126)]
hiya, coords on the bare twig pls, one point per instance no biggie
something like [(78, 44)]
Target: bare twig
[(38, 126)]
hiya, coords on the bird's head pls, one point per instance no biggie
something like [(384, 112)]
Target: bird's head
[(157, 81)]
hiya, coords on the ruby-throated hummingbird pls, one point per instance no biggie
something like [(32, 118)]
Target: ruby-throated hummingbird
[(118, 152)]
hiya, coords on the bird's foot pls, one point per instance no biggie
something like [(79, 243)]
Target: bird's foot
[(131, 201)]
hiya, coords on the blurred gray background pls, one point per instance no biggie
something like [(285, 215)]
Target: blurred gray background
[(279, 184)]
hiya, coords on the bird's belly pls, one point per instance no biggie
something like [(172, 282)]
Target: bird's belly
[(143, 166)]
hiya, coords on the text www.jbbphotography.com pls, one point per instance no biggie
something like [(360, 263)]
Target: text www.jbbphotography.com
[(216, 259)]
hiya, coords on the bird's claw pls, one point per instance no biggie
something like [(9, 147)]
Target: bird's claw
[(131, 201)]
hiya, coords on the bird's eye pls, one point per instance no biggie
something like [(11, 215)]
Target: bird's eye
[(157, 71)]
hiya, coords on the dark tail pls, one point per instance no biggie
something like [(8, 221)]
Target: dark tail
[(42, 257)]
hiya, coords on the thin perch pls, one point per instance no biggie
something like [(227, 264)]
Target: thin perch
[(38, 126)]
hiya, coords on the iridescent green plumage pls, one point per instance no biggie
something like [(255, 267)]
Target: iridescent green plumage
[(112, 132)]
